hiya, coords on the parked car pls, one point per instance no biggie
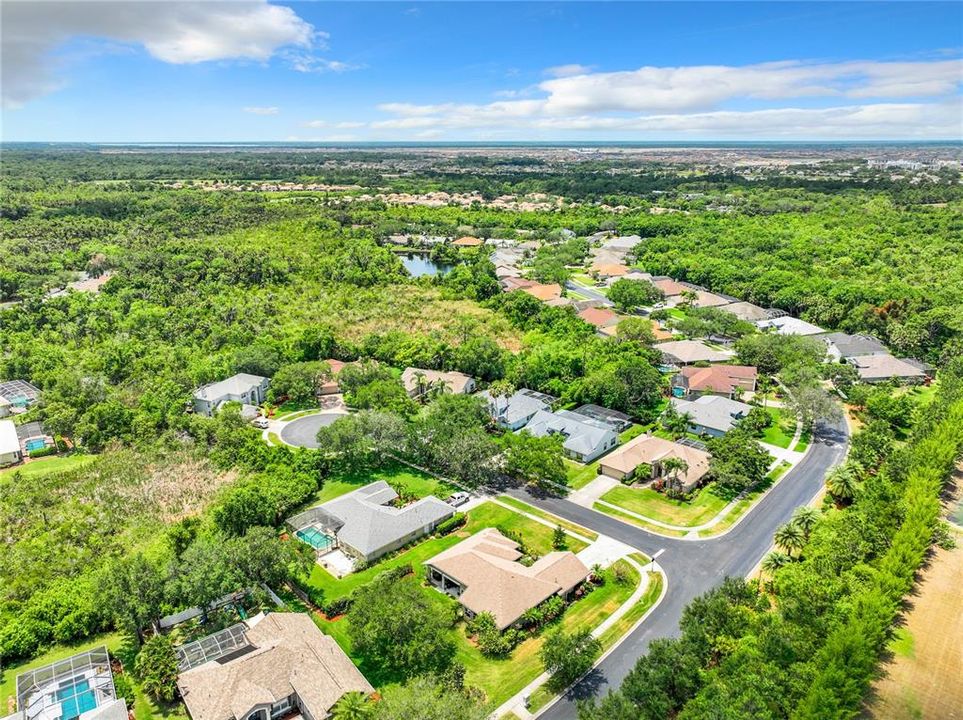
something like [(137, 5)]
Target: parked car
[(260, 423), (458, 498)]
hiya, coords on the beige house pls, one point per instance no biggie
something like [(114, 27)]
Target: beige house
[(484, 574), (274, 666), (418, 381), (650, 452)]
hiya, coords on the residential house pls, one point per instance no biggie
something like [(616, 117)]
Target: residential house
[(468, 242), (602, 256), (618, 420), (671, 289), (6, 407), (622, 244), (544, 292), (330, 385), (18, 395), (419, 381), (632, 274), (725, 380), (704, 298), (584, 439), (746, 311), (246, 389), (562, 301), (10, 452), (513, 412), (269, 667), (79, 687), (642, 459), (507, 271), (365, 524), (510, 283), (398, 239), (606, 271), (882, 368), (686, 352), (787, 325), (484, 573), (841, 346), (599, 317), (711, 415)]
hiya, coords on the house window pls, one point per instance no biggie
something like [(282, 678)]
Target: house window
[(281, 707)]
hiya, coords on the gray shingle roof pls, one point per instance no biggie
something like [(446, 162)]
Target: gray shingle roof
[(513, 408), (239, 384), (369, 525), (854, 345), (713, 411), (582, 435)]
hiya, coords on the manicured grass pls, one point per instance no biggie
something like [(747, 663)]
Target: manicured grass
[(632, 432), (804, 439), (554, 519), (580, 475), (47, 465), (275, 439), (536, 536), (291, 408), (639, 523), (657, 506), (782, 429), (395, 473), (778, 471), (746, 502)]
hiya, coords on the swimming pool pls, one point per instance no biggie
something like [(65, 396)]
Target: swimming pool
[(76, 699), (315, 538), (35, 444)]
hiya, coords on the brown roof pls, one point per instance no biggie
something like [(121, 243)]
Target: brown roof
[(670, 287), (544, 292), (651, 449), (468, 241), (705, 298), (517, 283), (494, 582), (609, 269), (289, 655), (599, 317), (717, 378)]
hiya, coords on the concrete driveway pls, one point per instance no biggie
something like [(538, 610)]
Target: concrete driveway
[(302, 432)]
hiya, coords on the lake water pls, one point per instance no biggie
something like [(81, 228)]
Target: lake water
[(418, 265)]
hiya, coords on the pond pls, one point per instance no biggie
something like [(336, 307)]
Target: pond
[(418, 265)]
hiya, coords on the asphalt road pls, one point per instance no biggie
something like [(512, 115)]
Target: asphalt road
[(588, 292), (693, 567), (303, 431)]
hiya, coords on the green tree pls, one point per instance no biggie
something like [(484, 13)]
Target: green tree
[(133, 588), (559, 539), (566, 656), (393, 624), (630, 294), (353, 705), (534, 460), (738, 462), (790, 537), (156, 667), (673, 467), (427, 698)]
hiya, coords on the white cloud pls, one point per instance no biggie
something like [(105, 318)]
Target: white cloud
[(868, 100), (561, 71), (173, 32), (310, 63), (254, 110)]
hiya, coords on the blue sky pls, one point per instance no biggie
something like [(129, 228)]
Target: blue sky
[(249, 70)]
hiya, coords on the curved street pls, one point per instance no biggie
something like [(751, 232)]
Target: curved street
[(692, 568)]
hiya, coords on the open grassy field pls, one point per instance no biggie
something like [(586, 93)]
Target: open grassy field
[(652, 504), (47, 465), (537, 537), (638, 523), (921, 677)]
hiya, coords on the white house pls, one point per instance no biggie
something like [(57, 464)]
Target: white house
[(9, 443), (243, 388)]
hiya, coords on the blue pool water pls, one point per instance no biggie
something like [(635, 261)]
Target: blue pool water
[(315, 538), (76, 699), (35, 444)]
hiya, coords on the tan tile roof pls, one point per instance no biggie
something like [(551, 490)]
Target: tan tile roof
[(670, 287), (544, 292), (290, 655), (599, 317), (468, 241), (650, 449), (717, 378), (455, 382), (609, 269), (485, 565)]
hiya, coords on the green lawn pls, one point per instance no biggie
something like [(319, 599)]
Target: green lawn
[(781, 431), (655, 505), (804, 439), (634, 431), (580, 475), (746, 502), (47, 465), (639, 523), (396, 473), (538, 512), (537, 537)]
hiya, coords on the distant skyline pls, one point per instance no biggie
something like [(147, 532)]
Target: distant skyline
[(223, 71)]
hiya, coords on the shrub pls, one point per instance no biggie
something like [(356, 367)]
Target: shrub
[(451, 524), (338, 607), (43, 452)]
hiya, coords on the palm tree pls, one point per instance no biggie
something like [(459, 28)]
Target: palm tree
[(672, 466), (841, 484), (352, 706), (805, 517), (790, 537), (775, 560)]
